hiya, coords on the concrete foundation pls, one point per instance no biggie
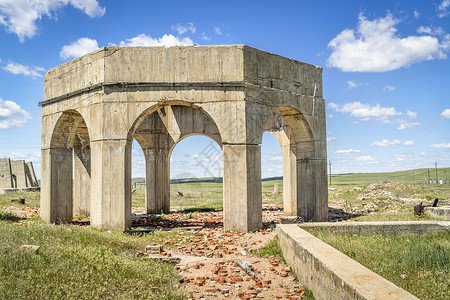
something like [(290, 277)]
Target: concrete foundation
[(329, 273), (160, 95)]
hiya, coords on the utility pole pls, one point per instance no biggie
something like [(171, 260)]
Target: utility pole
[(329, 164), (436, 163), (428, 176)]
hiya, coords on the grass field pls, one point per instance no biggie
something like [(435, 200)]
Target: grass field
[(419, 264), (69, 256)]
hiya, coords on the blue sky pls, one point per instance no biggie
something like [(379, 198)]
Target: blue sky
[(386, 69)]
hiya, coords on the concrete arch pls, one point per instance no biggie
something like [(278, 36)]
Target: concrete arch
[(158, 130), (67, 186)]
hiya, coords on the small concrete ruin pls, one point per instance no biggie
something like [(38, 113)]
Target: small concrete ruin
[(96, 105), (17, 174)]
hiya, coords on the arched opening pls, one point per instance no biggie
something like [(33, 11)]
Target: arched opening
[(157, 131), (271, 170), (297, 143), (69, 159), (196, 171)]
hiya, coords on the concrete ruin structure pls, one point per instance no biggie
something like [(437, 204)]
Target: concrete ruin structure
[(96, 105), (17, 174)]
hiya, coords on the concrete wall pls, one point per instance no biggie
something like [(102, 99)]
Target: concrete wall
[(5, 173), (330, 274)]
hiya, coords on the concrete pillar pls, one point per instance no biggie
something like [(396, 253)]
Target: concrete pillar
[(157, 174), (56, 185), (82, 180), (290, 203), (321, 205), (111, 184), (242, 187)]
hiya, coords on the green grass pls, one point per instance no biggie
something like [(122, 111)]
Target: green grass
[(419, 264), (409, 176), (271, 249), (76, 263)]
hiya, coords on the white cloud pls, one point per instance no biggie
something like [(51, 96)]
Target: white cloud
[(79, 48), (20, 16), (416, 14), (365, 158), (349, 152), (440, 146), (12, 115), (385, 143), (437, 31), (374, 46), (181, 29), (218, 31), (366, 112), (166, 40), (205, 37), (446, 113), (331, 138), (352, 84), (404, 126), (16, 68), (411, 114), (443, 8), (389, 88), (409, 143)]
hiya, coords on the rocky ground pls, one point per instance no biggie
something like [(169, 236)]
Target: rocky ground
[(222, 265)]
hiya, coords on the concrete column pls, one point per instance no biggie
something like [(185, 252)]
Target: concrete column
[(306, 185), (321, 205), (111, 184), (56, 185), (290, 203), (82, 180), (157, 174), (242, 187)]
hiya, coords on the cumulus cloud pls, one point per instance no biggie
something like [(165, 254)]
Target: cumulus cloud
[(366, 158), (366, 112), (405, 125), (165, 40), (375, 46), (409, 143), (78, 48), (416, 14), (181, 29), (352, 84), (443, 9), (385, 143), (12, 115), (389, 88), (20, 17), (218, 31), (440, 146), (411, 114), (349, 152), (17, 69), (446, 113)]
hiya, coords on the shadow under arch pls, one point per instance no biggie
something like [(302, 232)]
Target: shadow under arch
[(66, 189), (158, 130), (296, 139)]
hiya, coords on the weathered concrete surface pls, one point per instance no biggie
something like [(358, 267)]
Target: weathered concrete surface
[(330, 274), (390, 227), (440, 212), (16, 174), (160, 95), (6, 180)]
